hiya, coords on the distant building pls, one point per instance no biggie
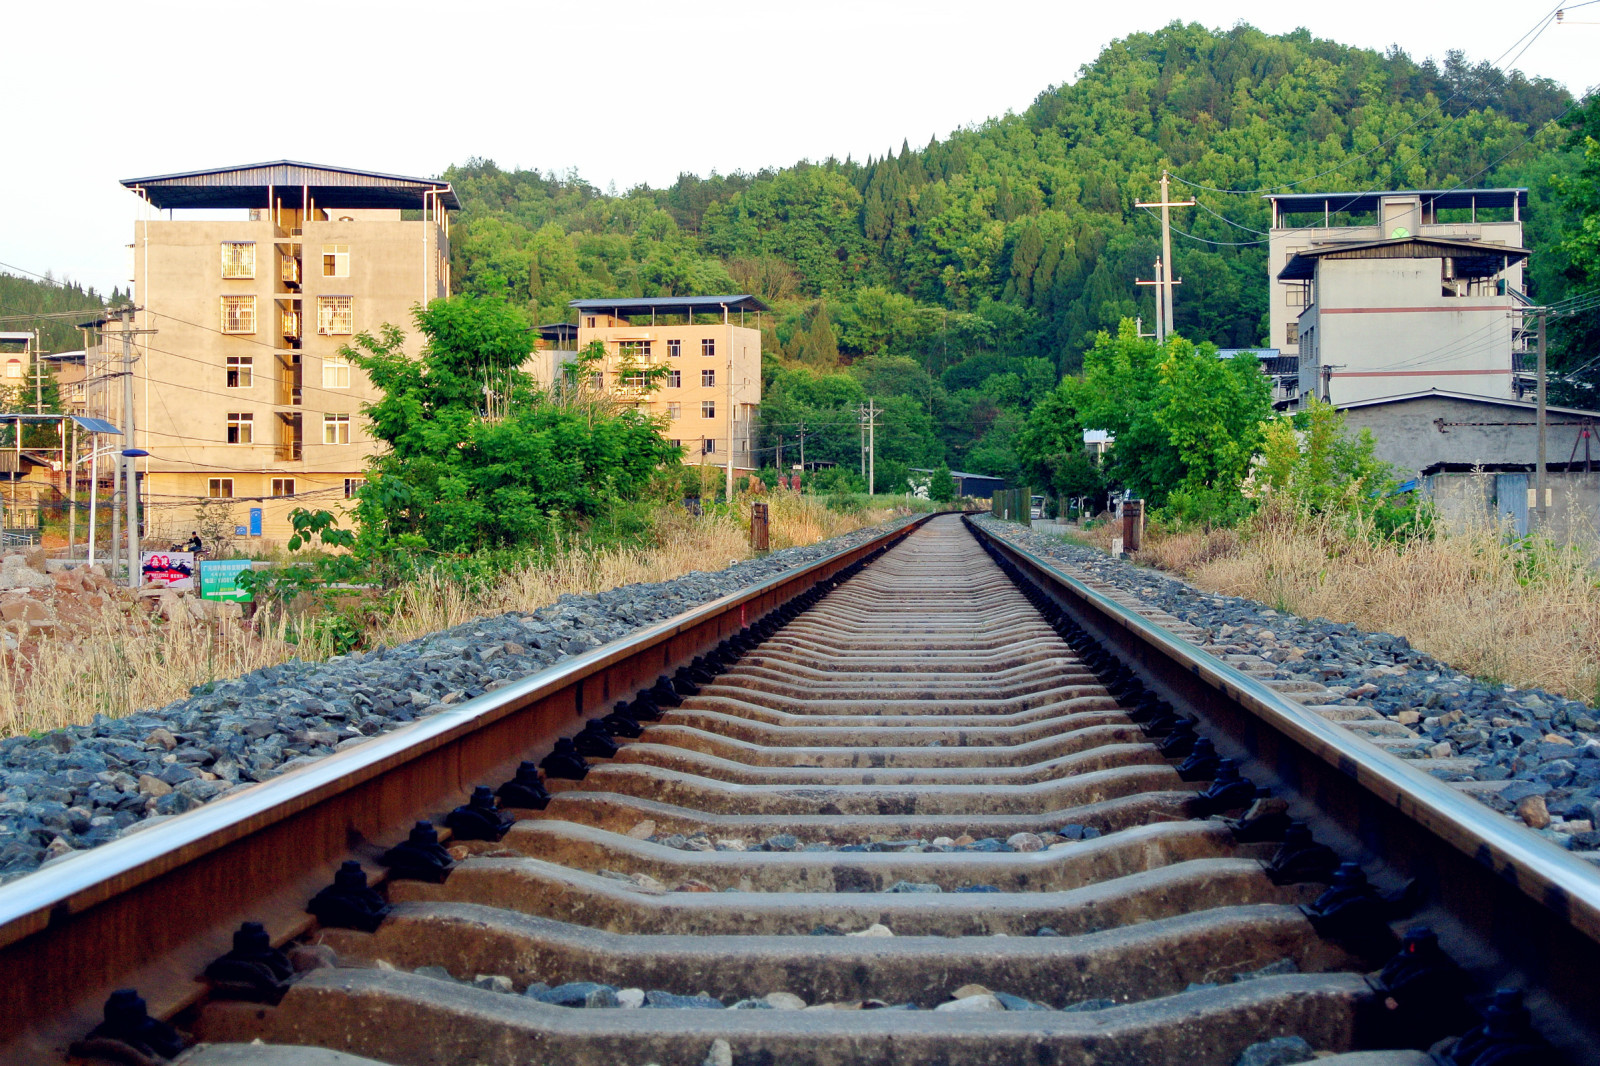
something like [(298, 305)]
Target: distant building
[(241, 392), (555, 347), (16, 361), (711, 391), (1283, 370), (1380, 293)]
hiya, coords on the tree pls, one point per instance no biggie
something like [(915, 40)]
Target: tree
[(941, 486), (477, 456)]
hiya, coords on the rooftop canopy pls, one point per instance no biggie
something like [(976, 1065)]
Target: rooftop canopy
[(1473, 259), (259, 184), (671, 305), (1367, 202)]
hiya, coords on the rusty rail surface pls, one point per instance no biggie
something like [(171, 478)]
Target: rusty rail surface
[(151, 909), (1510, 907)]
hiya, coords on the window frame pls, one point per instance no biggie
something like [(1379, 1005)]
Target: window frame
[(674, 347), (633, 349), (708, 409), (352, 485), (241, 427), (339, 424), (336, 364), (281, 483), (239, 372), (675, 410), (708, 379), (339, 257), (708, 346), (674, 379), (230, 270), (238, 304), (1291, 332), (329, 314), (219, 488)]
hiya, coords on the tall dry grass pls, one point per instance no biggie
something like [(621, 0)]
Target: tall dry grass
[(123, 661), (1524, 612)]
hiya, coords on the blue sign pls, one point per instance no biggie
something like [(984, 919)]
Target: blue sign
[(255, 521), (241, 531)]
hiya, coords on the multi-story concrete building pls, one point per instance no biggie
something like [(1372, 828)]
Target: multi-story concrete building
[(250, 280), (1422, 282), (711, 391)]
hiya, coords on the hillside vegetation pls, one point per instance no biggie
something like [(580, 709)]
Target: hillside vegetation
[(957, 281), (21, 299)]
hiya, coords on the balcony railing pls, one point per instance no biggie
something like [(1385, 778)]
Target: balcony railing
[(289, 270)]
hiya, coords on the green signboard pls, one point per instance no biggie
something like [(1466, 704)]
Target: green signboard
[(219, 580)]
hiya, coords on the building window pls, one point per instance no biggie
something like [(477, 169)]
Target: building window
[(633, 379), (336, 260), (238, 314), (708, 409), (241, 371), (1297, 294), (675, 443), (633, 349), (283, 486), (334, 315), (1291, 333), (335, 372), (13, 368), (674, 348), (588, 322), (241, 427), (674, 410), (352, 485), (708, 446), (674, 379), (708, 378), (221, 488), (597, 381), (238, 259), (336, 429), (708, 346)]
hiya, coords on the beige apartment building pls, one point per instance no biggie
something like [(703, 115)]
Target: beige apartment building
[(711, 391), (250, 280)]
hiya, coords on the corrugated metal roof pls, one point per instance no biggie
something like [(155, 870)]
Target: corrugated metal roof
[(1473, 258), (244, 186), (673, 305)]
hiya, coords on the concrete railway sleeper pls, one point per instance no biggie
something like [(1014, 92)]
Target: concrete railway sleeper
[(923, 812)]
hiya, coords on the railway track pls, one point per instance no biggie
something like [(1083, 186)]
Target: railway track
[(929, 801)]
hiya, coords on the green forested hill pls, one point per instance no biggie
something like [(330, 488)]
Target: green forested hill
[(961, 278), (23, 298)]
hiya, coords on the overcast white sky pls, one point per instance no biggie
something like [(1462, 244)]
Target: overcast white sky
[(625, 92)]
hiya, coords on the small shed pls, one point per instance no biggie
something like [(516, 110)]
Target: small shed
[(1436, 429)]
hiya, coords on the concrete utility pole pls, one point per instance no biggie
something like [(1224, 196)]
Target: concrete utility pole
[(1164, 276), (1161, 329), (130, 463), (1538, 482), (872, 447), (802, 449)]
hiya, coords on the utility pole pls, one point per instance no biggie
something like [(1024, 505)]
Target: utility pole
[(802, 450), (872, 447), (1164, 278), (1161, 330), (1538, 485), (861, 445), (130, 463)]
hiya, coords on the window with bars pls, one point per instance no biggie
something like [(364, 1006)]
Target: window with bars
[(336, 429), (241, 427), (283, 486), (335, 372), (238, 259), (352, 485), (674, 410), (336, 260), (708, 409), (708, 346), (238, 314), (674, 348), (241, 371), (335, 315), (220, 488), (708, 379)]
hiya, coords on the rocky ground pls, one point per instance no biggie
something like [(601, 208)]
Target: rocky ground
[(79, 787), (1530, 754)]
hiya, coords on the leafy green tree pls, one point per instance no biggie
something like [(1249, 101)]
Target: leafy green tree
[(941, 486), (476, 455)]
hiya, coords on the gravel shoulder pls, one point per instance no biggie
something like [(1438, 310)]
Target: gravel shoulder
[(1532, 755), (83, 786)]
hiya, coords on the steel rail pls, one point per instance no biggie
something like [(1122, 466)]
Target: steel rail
[(1511, 907), (151, 909)]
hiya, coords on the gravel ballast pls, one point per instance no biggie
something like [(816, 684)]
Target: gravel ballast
[(1529, 754), (83, 786)]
